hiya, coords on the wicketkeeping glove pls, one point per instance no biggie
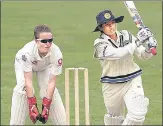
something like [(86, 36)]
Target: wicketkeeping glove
[(144, 34), (33, 110), (45, 110)]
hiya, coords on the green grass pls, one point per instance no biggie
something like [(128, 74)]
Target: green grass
[(72, 24)]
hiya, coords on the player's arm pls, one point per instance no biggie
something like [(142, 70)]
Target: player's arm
[(27, 68), (28, 84), (104, 50), (51, 86), (146, 39), (32, 103), (141, 52)]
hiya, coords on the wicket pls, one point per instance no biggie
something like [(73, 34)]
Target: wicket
[(76, 87)]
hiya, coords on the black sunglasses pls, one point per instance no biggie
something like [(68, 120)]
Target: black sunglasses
[(46, 40)]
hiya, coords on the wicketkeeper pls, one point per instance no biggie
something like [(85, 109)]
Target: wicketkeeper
[(121, 76), (43, 57)]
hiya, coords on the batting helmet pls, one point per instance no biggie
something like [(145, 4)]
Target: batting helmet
[(106, 16)]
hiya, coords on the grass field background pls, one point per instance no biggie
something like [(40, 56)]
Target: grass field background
[(72, 24)]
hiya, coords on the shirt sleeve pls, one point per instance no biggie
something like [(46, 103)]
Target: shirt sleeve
[(105, 50), (57, 64), (26, 62)]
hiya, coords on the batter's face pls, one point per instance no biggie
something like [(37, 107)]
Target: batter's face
[(44, 42), (109, 28)]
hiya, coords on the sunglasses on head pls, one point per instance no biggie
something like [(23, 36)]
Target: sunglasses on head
[(45, 40)]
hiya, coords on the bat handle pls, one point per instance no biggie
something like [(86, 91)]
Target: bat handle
[(153, 50)]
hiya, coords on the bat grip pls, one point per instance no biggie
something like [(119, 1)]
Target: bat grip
[(153, 51)]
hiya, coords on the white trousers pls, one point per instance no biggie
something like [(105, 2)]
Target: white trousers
[(117, 96), (19, 107)]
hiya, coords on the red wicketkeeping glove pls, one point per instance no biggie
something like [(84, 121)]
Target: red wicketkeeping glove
[(33, 110), (45, 110)]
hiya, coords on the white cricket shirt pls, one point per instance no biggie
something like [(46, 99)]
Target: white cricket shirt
[(31, 61), (116, 57)]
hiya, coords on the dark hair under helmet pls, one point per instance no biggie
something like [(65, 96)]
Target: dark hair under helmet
[(106, 16)]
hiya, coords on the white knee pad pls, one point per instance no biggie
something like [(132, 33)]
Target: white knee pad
[(136, 112), (113, 120), (19, 108)]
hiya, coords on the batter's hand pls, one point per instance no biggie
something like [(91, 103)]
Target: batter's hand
[(33, 110), (144, 34), (45, 110), (150, 43)]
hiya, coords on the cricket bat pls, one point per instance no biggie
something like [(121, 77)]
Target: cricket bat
[(137, 19)]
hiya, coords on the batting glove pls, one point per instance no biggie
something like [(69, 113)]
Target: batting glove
[(45, 110), (150, 43), (144, 34), (33, 110)]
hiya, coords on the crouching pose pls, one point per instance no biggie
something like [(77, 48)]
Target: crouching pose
[(121, 76), (43, 57)]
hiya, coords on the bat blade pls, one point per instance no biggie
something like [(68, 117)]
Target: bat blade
[(134, 14)]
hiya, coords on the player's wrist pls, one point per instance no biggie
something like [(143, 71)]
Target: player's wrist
[(46, 102), (32, 100)]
